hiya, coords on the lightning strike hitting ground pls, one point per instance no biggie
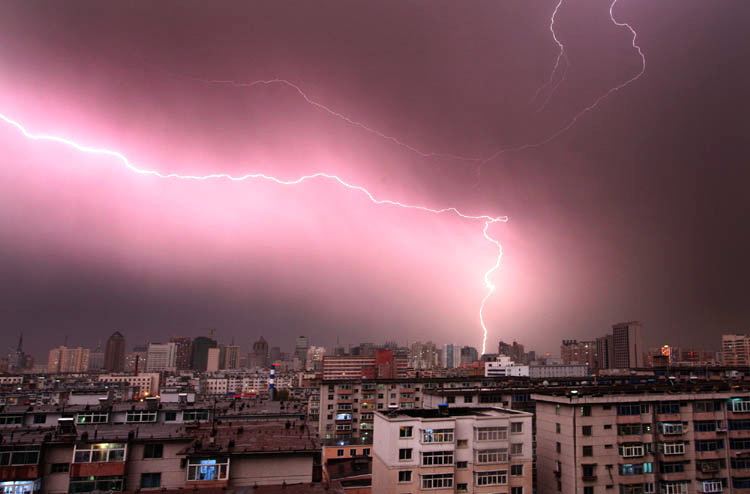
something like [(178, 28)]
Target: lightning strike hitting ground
[(488, 220)]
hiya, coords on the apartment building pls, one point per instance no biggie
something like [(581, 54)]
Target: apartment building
[(147, 446), (661, 438), (383, 364), (736, 349), (478, 450)]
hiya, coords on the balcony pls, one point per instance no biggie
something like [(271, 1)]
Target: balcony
[(19, 472), (710, 486), (99, 469)]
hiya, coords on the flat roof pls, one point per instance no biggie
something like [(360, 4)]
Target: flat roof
[(450, 412)]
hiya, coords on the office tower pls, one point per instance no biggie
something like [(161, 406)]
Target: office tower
[(736, 350), (161, 357), (452, 356), (258, 357), (578, 352), (199, 352), (114, 353), (628, 347), (229, 357), (301, 344), (64, 359), (183, 345)]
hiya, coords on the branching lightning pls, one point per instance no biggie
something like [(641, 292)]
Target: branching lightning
[(486, 219), (561, 55)]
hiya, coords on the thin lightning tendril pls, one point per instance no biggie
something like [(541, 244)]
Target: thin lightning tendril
[(592, 105), (561, 55), (488, 220)]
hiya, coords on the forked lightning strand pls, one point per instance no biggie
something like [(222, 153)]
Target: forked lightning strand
[(561, 55), (488, 220)]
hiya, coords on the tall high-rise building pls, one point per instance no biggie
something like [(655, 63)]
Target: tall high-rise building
[(96, 359), (64, 359), (469, 355), (274, 355), (301, 344), (451, 356), (628, 346), (423, 355), (183, 345), (135, 361), (114, 353), (604, 352), (161, 357), (258, 357), (736, 350), (199, 352), (314, 359), (213, 359), (229, 356), (578, 352)]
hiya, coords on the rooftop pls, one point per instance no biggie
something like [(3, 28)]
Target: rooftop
[(448, 412)]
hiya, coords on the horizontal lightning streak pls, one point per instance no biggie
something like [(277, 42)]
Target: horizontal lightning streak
[(488, 220)]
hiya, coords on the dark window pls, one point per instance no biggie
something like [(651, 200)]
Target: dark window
[(739, 425), (516, 470), (40, 418), (588, 489), (516, 490), (668, 407), (632, 409), (352, 452), (558, 447), (60, 467), (462, 464), (709, 444), (557, 428), (741, 482), (404, 454), (153, 450), (150, 480), (742, 443), (706, 425), (586, 430), (588, 451), (404, 476), (671, 467), (339, 452), (588, 470), (170, 416), (586, 411)]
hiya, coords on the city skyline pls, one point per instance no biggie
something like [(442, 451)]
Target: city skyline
[(619, 207)]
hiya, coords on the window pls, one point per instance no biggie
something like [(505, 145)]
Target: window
[(741, 482), (11, 419), (739, 425), (557, 428), (170, 416), (208, 469), (404, 454), (516, 427), (739, 405), (60, 468), (102, 452), (716, 485), (633, 429), (437, 458), (589, 471), (709, 444), (739, 463), (671, 467), (352, 452), (491, 433), (701, 406), (150, 480), (516, 490), (339, 452), (586, 430), (194, 415), (632, 408), (645, 488), (497, 477), (437, 481), (40, 418), (462, 487), (406, 431), (588, 451), (607, 426), (462, 464), (92, 418), (404, 476), (670, 429), (153, 450), (437, 436), (668, 407), (516, 470), (366, 452), (89, 484), (676, 487), (516, 449), (588, 489), (636, 468), (558, 447), (741, 443), (632, 450), (462, 443), (19, 455), (492, 455), (677, 448), (586, 411), (707, 425)]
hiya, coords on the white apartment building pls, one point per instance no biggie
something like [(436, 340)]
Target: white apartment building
[(147, 382), (161, 357), (452, 450)]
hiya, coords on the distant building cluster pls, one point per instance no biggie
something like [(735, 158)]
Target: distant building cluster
[(195, 415)]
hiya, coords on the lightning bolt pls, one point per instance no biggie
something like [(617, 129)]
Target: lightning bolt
[(561, 55), (486, 219), (480, 161), (592, 105)]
